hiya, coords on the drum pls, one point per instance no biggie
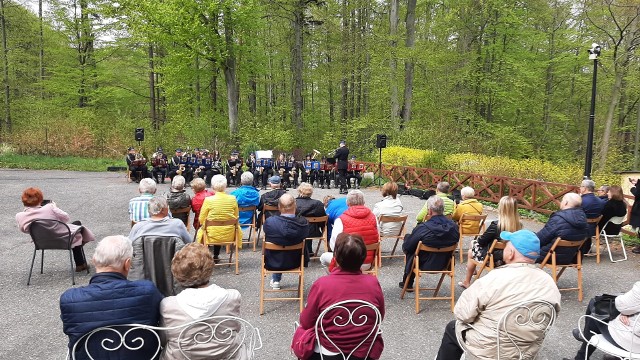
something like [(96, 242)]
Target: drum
[(315, 165), (266, 163)]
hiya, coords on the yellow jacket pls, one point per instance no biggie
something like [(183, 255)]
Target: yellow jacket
[(471, 207), (220, 206)]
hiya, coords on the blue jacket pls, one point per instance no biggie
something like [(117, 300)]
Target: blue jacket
[(568, 224), (592, 206), (246, 196), (109, 299), (283, 230), (335, 208), (437, 232)]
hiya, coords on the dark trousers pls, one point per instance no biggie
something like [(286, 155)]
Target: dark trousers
[(159, 174), (449, 347), (408, 269), (78, 256), (216, 251), (342, 178), (591, 326)]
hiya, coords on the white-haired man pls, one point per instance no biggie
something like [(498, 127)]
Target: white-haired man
[(159, 223), (592, 207), (568, 223), (442, 191), (138, 206), (109, 299)]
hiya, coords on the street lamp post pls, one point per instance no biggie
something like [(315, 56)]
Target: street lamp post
[(594, 52)]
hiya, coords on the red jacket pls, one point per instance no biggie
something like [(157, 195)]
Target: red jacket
[(360, 220), (196, 204), (338, 286)]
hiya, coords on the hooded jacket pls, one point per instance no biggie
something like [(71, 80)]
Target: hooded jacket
[(437, 232), (246, 196), (285, 231), (567, 224), (309, 207)]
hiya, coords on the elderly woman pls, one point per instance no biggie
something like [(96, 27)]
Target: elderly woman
[(200, 193), (246, 195), (308, 207), (178, 199), (32, 200), (615, 206), (192, 268), (391, 206), (469, 206), (345, 283), (220, 206)]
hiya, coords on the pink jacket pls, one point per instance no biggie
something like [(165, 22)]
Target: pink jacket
[(52, 212)]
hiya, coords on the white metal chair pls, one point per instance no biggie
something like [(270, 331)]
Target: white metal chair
[(536, 316), (232, 334), (601, 343), (350, 313), (617, 220)]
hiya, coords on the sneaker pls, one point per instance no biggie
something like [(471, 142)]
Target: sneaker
[(275, 285), (577, 335)]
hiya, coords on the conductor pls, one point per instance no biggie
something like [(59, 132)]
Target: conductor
[(342, 157)]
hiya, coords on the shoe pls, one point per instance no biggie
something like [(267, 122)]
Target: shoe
[(409, 287), (461, 284), (636, 249), (216, 260), (577, 335), (82, 267), (275, 285)]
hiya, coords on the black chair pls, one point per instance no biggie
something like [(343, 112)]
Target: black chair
[(50, 234), (151, 260)]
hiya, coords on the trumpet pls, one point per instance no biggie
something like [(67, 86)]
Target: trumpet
[(180, 169), (315, 153)]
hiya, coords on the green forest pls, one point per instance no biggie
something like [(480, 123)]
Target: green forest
[(501, 78)]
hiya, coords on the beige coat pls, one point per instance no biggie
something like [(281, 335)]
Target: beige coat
[(480, 307), (192, 304), (628, 304)]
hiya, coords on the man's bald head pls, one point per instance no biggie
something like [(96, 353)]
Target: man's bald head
[(570, 201), (287, 204)]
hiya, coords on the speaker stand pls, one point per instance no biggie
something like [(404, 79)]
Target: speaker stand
[(378, 179)]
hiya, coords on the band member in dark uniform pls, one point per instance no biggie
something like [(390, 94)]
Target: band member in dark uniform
[(354, 173), (216, 162), (252, 167), (267, 171), (309, 174), (282, 170), (234, 169), (342, 157), (136, 163), (176, 165), (159, 162), (203, 167), (324, 175), (294, 169)]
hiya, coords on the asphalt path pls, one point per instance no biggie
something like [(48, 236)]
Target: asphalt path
[(30, 326)]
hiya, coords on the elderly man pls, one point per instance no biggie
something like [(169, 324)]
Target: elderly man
[(138, 206), (592, 206), (480, 306), (438, 232), (442, 191), (160, 224), (357, 219), (568, 223), (285, 229), (246, 195), (109, 299), (270, 197)]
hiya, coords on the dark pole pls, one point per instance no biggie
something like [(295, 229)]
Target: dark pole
[(593, 55), (380, 169)]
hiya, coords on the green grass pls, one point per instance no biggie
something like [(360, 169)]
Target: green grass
[(41, 162)]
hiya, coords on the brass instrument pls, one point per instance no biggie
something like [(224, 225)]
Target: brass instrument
[(139, 160), (315, 153), (180, 169)]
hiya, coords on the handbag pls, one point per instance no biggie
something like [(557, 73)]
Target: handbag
[(604, 307), (303, 343)]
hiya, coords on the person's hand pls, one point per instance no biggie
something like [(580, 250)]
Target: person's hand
[(53, 204), (624, 319), (633, 181)]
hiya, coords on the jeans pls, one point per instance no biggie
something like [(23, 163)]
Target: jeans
[(592, 326), (276, 277), (449, 348)]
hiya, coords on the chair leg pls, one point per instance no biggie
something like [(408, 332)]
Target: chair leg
[(42, 262), (406, 284), (237, 258), (579, 283), (262, 277), (598, 249), (461, 249), (301, 290), (437, 290), (317, 247), (453, 291), (33, 259), (393, 251), (84, 257), (73, 273), (416, 291)]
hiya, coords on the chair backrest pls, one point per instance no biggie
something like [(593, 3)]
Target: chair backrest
[(617, 220), (271, 246), (471, 218), (594, 220), (423, 247), (522, 329), (354, 317), (572, 248), (50, 234), (394, 219), (442, 259), (253, 213), (181, 211), (214, 223), (151, 260), (320, 220), (119, 342)]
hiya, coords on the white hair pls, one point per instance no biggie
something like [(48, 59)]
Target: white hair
[(219, 183), (246, 178), (435, 204), (112, 251), (355, 197), (589, 184), (147, 186), (156, 204), (443, 187), (178, 182), (467, 192)]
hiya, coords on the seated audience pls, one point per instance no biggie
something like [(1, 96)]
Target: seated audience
[(469, 206), (308, 207), (192, 268), (615, 206), (160, 224), (634, 216), (345, 283), (220, 206), (200, 193), (390, 206), (285, 229), (138, 209), (592, 206), (32, 199), (481, 306), (178, 199), (508, 220), (438, 232), (270, 198), (357, 219), (442, 191), (334, 208), (603, 192), (246, 195), (620, 331), (109, 299), (568, 223)]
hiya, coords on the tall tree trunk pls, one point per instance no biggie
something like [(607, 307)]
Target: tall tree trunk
[(409, 63), (636, 148), (394, 18), (330, 85), (5, 63), (297, 63), (253, 91), (41, 53), (344, 84), (230, 76), (213, 87), (152, 91), (197, 87)]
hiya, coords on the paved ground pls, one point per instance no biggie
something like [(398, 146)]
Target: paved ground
[(30, 326)]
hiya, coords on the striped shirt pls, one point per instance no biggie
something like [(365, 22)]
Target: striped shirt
[(139, 207)]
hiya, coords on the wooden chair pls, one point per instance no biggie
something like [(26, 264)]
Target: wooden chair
[(603, 234), (373, 269), (252, 239), (551, 255), (186, 210), (231, 244), (299, 270), (596, 235), (397, 237), (468, 218), (448, 270), (266, 208), (489, 259), (321, 221)]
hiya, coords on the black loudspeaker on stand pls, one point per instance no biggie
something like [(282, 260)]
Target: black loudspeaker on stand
[(381, 143), (139, 135)]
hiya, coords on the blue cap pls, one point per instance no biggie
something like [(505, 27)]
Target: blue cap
[(525, 241), (179, 150), (274, 179)]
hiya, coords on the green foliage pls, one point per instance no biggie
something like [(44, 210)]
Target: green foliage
[(43, 162)]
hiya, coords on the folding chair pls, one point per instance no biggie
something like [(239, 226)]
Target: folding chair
[(448, 270), (597, 236), (373, 268), (321, 221), (574, 247), (299, 270), (266, 208), (385, 219), (186, 210), (48, 234), (601, 343), (617, 220), (489, 259), (231, 244), (468, 218), (251, 226)]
